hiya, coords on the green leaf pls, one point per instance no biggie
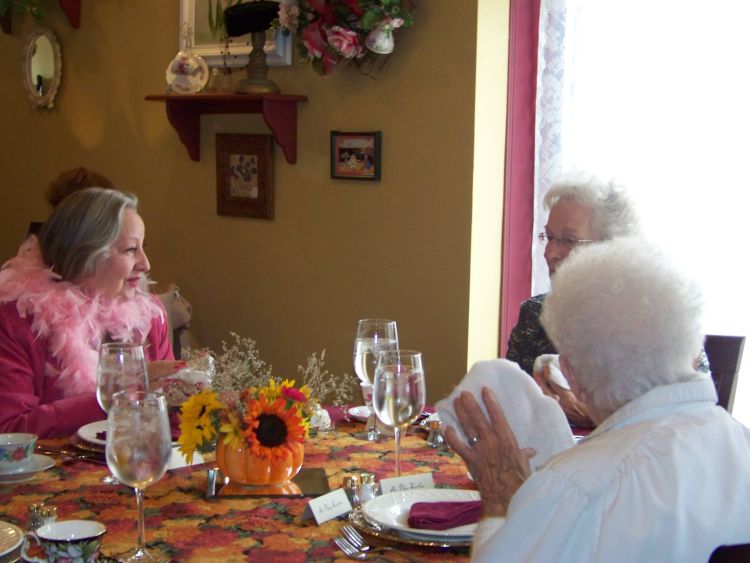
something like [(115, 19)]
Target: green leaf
[(317, 64), (371, 19), (211, 20)]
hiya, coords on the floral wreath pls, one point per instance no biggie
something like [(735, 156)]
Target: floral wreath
[(328, 32)]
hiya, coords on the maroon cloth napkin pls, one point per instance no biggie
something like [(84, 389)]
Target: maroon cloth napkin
[(444, 515)]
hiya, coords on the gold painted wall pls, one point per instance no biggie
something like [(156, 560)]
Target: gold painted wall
[(337, 250)]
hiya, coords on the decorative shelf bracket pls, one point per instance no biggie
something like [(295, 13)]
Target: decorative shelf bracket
[(279, 112)]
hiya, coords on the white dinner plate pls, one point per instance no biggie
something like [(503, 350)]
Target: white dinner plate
[(10, 537), (392, 511), (359, 413), (37, 463), (88, 432)]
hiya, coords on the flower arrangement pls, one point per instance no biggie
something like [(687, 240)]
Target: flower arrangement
[(267, 420), (245, 404), (331, 31)]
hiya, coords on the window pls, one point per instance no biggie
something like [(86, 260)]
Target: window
[(655, 94)]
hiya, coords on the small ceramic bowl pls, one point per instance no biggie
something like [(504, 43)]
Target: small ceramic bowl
[(16, 450)]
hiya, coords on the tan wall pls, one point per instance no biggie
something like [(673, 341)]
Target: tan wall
[(337, 250)]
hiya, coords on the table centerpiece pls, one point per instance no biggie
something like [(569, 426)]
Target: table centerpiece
[(256, 423)]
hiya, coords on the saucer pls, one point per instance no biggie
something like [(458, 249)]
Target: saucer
[(11, 537), (37, 463)]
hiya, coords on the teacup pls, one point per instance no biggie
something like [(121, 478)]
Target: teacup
[(16, 451), (66, 540)]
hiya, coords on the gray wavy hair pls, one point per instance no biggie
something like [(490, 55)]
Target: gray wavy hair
[(625, 319), (81, 230), (613, 212)]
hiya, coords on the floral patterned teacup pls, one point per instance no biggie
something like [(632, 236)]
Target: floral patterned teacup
[(66, 540), (16, 451)]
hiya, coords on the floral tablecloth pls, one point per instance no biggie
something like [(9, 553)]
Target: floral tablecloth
[(181, 524)]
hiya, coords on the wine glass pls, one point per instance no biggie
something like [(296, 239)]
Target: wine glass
[(373, 335), (139, 446), (122, 367), (398, 392)]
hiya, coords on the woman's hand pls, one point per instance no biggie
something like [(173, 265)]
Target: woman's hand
[(499, 467), (159, 370), (573, 408)]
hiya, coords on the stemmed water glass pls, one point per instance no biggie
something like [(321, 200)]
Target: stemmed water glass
[(373, 335), (122, 367), (139, 446), (398, 392)]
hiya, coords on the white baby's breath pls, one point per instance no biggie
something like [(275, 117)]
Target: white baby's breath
[(325, 387), (239, 367)]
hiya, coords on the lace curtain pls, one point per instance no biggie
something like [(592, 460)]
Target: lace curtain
[(655, 94)]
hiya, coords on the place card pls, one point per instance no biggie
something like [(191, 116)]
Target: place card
[(407, 482), (328, 506)]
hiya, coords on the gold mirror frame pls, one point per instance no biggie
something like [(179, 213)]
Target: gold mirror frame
[(45, 100)]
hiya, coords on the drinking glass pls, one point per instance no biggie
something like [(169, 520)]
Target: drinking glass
[(122, 367), (373, 335), (139, 446), (398, 392)]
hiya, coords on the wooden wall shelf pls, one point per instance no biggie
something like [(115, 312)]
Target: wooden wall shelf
[(279, 112)]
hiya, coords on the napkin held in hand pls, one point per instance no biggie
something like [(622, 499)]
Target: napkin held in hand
[(444, 515)]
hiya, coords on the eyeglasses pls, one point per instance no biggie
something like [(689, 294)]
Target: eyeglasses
[(565, 242)]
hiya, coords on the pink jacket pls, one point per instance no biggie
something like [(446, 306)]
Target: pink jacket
[(50, 333), (30, 400)]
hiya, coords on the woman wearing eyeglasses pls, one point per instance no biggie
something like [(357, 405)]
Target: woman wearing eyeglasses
[(582, 210)]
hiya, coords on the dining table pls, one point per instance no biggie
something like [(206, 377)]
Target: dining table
[(185, 522)]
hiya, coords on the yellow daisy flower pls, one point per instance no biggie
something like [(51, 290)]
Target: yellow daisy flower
[(196, 427)]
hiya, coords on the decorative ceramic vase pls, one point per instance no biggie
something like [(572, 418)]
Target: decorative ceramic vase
[(380, 40), (187, 73), (320, 420), (244, 467)]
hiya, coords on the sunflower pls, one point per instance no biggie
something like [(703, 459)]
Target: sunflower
[(230, 427), (196, 425), (271, 426)]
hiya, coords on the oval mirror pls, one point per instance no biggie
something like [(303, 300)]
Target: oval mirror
[(41, 67)]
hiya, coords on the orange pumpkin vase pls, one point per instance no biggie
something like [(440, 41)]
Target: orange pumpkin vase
[(246, 468)]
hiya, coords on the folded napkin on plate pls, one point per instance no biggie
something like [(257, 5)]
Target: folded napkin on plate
[(444, 515), (536, 420)]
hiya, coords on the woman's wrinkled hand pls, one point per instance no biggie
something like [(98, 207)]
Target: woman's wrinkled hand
[(573, 407), (499, 467), (159, 370)]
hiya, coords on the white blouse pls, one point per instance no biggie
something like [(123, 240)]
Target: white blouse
[(664, 478)]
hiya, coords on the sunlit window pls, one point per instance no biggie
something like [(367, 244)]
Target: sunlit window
[(655, 93)]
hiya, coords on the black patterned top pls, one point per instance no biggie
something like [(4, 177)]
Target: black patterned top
[(528, 339)]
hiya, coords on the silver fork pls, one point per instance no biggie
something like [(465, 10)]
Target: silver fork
[(348, 549), (355, 541)]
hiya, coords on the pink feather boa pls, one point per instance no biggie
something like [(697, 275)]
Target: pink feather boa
[(72, 321)]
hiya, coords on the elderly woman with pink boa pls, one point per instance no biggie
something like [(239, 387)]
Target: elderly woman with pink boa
[(81, 283)]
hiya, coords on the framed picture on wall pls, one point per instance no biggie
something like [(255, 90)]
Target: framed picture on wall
[(355, 155), (244, 175), (206, 36)]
